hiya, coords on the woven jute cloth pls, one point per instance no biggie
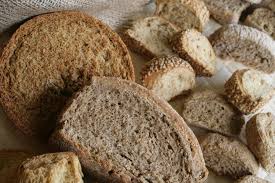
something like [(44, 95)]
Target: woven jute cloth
[(112, 12)]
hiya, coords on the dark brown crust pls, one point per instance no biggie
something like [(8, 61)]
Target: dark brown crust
[(60, 139)]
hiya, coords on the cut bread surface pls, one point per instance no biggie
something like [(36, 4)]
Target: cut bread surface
[(123, 133)]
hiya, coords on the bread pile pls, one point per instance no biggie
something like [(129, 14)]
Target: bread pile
[(68, 79)]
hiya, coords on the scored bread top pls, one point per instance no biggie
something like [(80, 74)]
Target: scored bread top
[(51, 56)]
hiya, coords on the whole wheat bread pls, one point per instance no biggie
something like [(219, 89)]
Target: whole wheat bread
[(50, 57), (246, 45), (123, 133), (209, 110), (251, 179)]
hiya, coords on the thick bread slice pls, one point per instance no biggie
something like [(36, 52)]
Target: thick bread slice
[(124, 133), (227, 156), (226, 11), (209, 110), (51, 168), (168, 76), (245, 45), (262, 19), (150, 36), (194, 47), (248, 90), (260, 135), (251, 179), (9, 162), (50, 57), (185, 14)]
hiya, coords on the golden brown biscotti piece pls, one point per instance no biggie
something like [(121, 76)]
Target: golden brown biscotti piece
[(260, 135), (168, 76), (122, 132), (251, 179), (61, 167), (226, 11), (227, 156), (194, 47), (50, 57), (9, 162), (209, 110), (150, 36), (186, 14), (246, 45), (248, 90)]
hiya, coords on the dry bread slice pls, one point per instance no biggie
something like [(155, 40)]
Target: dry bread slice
[(9, 162), (51, 168), (50, 57), (226, 11), (227, 156), (185, 14), (251, 179), (168, 76), (150, 36), (248, 90), (123, 133), (245, 45), (194, 47), (208, 109), (262, 19), (260, 135)]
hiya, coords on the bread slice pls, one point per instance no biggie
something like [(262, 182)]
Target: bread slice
[(260, 132), (51, 168), (150, 36), (185, 14), (227, 156), (209, 110), (248, 90), (9, 162), (124, 133), (262, 19), (194, 47), (50, 57), (226, 11), (251, 179), (168, 76), (246, 45)]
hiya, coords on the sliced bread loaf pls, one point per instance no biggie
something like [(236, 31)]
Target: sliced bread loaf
[(260, 135), (251, 179), (226, 11), (185, 14), (248, 90), (168, 76), (227, 156), (50, 57), (194, 47), (245, 45), (124, 133), (51, 168), (150, 36), (262, 19)]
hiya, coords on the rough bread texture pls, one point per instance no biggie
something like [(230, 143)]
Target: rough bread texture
[(227, 156), (251, 179), (51, 168), (50, 57), (209, 110), (168, 76), (248, 91), (9, 162), (150, 36), (122, 132), (194, 47), (260, 135), (246, 45), (226, 11), (185, 14), (262, 19)]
